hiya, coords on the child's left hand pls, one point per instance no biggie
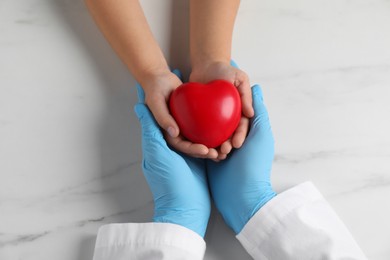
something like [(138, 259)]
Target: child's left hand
[(230, 72)]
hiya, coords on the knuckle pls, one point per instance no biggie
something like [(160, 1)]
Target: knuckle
[(243, 75)]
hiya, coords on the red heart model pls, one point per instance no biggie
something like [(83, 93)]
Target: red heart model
[(206, 113)]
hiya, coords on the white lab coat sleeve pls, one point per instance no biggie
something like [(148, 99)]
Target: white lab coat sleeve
[(298, 224), (145, 241)]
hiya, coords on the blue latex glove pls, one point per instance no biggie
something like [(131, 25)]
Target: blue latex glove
[(178, 183), (240, 185)]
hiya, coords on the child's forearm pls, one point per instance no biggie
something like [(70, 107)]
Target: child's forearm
[(211, 29), (124, 25)]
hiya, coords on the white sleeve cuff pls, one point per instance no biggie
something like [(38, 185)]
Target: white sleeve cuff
[(274, 211), (298, 224), (148, 241)]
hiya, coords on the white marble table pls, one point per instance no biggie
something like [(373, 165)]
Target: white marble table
[(70, 142)]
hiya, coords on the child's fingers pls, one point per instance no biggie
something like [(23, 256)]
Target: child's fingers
[(241, 132), (226, 147), (160, 111), (244, 88), (186, 147), (212, 154)]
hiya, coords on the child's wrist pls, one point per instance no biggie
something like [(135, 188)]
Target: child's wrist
[(202, 68), (152, 73), (199, 63)]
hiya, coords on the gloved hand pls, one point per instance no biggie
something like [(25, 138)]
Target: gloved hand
[(240, 185), (178, 182)]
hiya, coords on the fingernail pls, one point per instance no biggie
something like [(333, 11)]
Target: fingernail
[(171, 131)]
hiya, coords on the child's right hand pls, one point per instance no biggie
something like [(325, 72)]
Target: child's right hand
[(210, 70), (157, 88)]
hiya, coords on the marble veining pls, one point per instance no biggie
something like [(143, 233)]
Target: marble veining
[(70, 147)]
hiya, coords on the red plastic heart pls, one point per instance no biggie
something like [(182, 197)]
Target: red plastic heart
[(206, 113)]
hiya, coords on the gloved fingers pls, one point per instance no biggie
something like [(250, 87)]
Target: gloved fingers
[(178, 74), (148, 123), (140, 93), (261, 114), (198, 169), (234, 64)]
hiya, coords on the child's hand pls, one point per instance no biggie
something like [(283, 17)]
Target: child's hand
[(221, 70), (157, 88)]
